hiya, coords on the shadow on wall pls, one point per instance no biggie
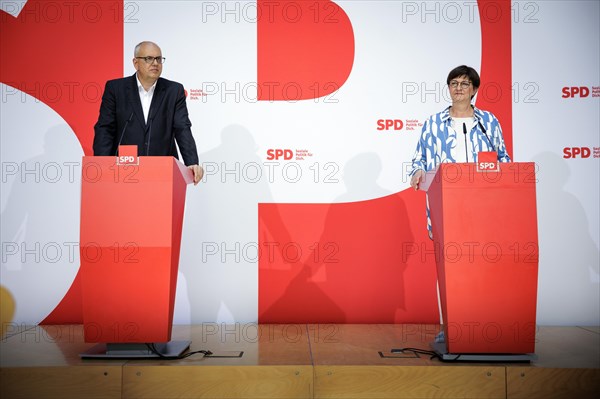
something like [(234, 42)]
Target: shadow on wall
[(356, 269), (40, 224), (220, 226), (568, 285)]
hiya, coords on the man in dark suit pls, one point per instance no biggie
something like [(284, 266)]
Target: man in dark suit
[(148, 111)]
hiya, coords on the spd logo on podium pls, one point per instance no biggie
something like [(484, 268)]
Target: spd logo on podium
[(128, 155), (488, 161)]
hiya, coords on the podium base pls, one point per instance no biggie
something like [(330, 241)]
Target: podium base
[(440, 349), (135, 350)]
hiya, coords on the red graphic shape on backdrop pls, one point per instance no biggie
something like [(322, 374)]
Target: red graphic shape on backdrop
[(305, 49), (355, 262), (292, 293), (69, 42), (62, 54), (495, 92)]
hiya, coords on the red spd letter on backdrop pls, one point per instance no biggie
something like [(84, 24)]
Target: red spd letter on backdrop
[(305, 49)]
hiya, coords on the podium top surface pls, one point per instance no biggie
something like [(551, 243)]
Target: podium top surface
[(108, 168), (460, 175)]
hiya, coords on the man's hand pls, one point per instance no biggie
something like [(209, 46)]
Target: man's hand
[(417, 179), (198, 173)]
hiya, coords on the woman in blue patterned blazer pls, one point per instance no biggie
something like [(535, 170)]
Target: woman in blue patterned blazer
[(458, 133)]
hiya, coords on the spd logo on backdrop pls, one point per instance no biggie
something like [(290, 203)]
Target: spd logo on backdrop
[(398, 124), (390, 124), (285, 154), (278, 153), (581, 152), (580, 91)]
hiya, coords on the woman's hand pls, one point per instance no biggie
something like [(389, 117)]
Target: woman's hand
[(417, 179)]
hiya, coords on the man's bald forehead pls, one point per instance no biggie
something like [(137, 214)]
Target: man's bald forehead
[(140, 45)]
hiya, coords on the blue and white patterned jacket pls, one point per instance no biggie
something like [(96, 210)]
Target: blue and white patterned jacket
[(438, 138)]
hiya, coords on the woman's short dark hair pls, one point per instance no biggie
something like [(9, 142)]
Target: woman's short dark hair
[(467, 71)]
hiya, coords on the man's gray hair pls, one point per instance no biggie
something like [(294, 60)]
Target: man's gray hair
[(136, 50)]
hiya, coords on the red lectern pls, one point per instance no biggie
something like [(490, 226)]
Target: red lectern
[(131, 221), (484, 226)]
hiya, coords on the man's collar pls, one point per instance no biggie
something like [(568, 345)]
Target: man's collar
[(140, 87)]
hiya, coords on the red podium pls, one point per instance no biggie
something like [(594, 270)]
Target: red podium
[(131, 222), (484, 226)]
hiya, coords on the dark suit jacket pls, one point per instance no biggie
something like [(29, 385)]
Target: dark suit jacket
[(122, 120)]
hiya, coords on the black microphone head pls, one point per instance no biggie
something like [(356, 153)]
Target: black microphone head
[(464, 128), (123, 133), (482, 127)]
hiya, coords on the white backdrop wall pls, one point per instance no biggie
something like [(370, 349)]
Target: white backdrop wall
[(403, 53)]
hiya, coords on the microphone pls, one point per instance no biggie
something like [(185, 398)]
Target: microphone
[(466, 146), (149, 135), (123, 133), (486, 136)]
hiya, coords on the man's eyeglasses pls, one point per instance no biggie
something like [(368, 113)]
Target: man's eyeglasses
[(150, 60), (464, 84)]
